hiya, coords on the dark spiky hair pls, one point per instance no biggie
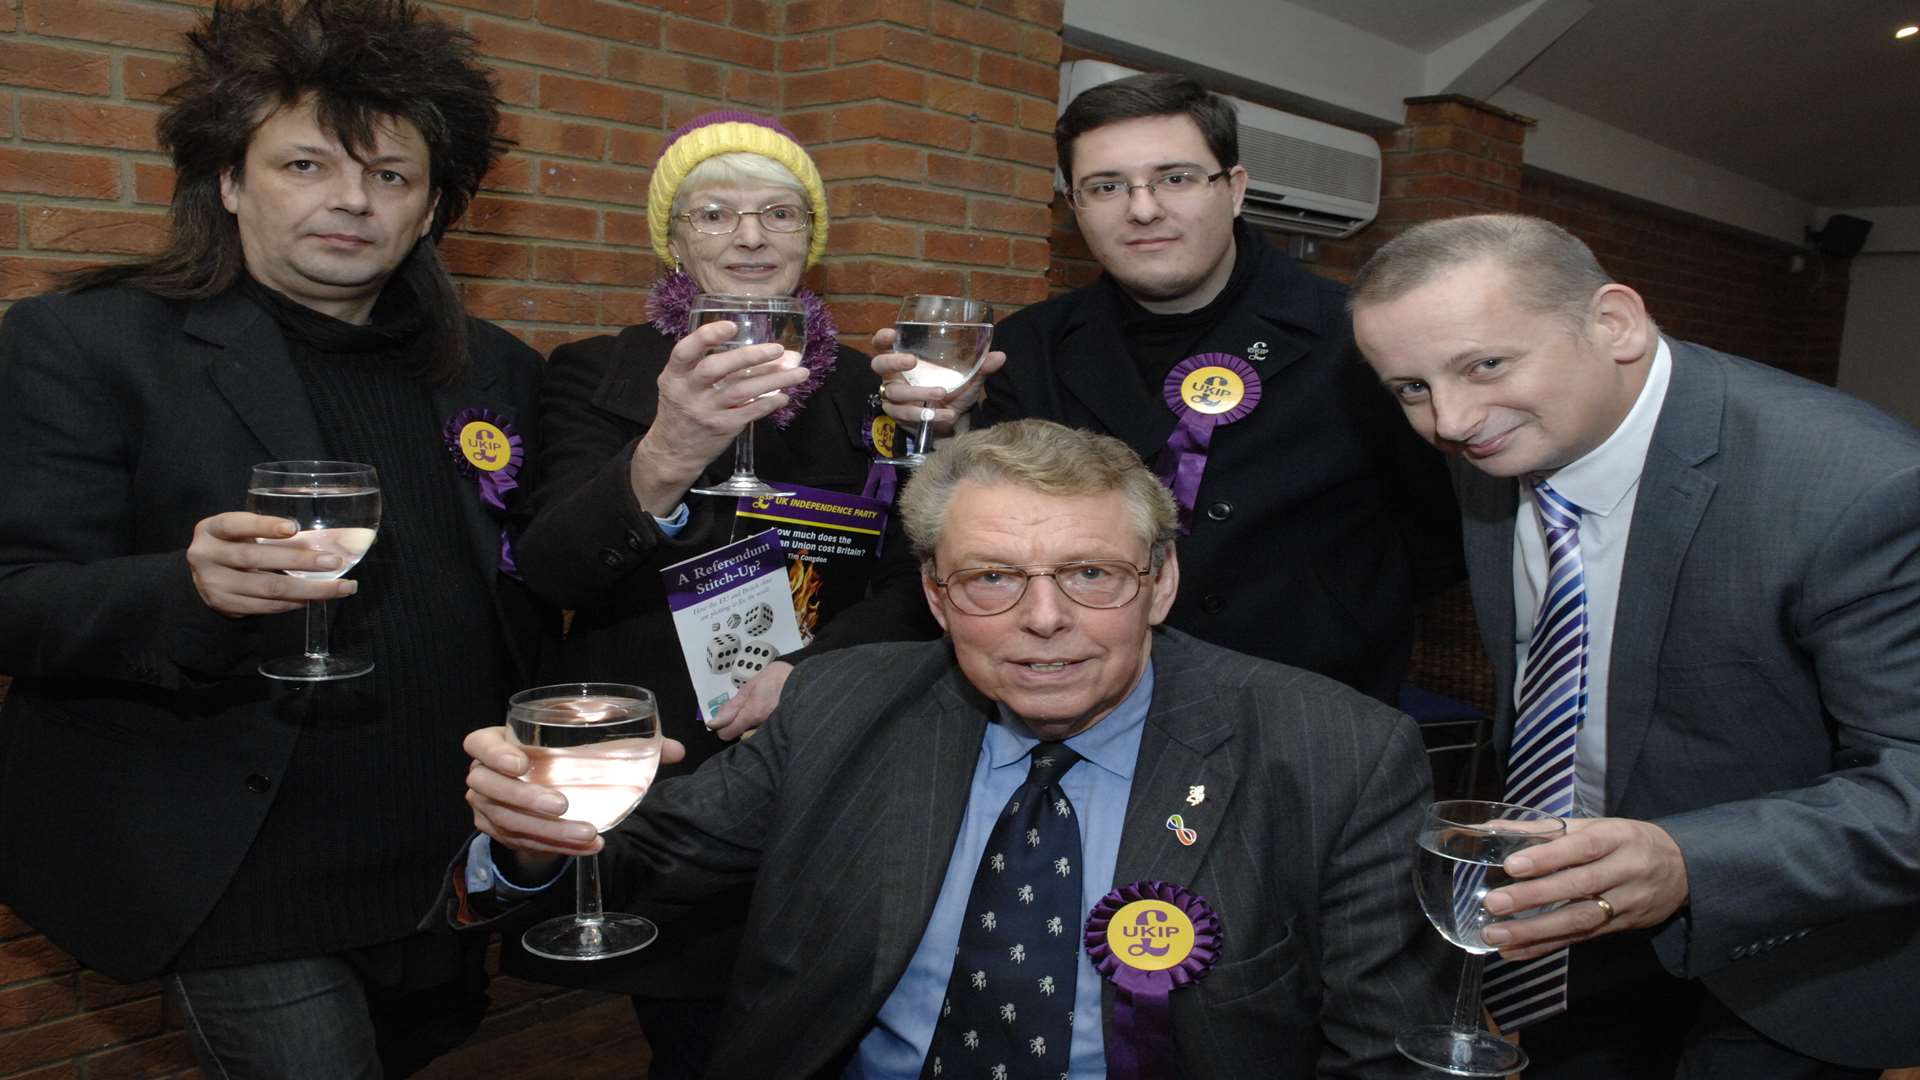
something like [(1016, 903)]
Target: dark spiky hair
[(359, 62)]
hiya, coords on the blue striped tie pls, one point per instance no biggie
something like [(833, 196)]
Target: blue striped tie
[(1552, 705)]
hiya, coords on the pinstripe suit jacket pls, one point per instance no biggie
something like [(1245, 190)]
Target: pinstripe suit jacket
[(845, 809), (1764, 701)]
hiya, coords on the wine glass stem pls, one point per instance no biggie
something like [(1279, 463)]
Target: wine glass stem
[(316, 629), (1466, 1006), (743, 452), (926, 430), (586, 886)]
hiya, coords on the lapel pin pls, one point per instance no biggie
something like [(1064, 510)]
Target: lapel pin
[(1196, 794), (1179, 828)]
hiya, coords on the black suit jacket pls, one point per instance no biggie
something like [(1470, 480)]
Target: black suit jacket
[(1321, 517), (136, 719), (844, 810), (1764, 696)]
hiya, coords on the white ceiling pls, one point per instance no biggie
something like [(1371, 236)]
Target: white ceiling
[(1812, 97)]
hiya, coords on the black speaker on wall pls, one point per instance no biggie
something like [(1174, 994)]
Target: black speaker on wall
[(1842, 236)]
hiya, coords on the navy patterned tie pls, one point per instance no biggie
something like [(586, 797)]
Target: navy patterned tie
[(1008, 1013), (1552, 705)]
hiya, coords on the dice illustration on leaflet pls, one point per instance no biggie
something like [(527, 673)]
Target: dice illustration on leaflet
[(722, 650), (754, 655), (760, 619)]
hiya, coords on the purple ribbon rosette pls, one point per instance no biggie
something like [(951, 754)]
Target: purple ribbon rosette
[(489, 451), (1149, 939), (1205, 391)]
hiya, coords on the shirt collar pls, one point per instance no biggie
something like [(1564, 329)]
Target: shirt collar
[(1112, 744), (1601, 479)]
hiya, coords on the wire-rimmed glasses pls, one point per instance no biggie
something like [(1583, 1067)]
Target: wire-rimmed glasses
[(990, 590), (1166, 187), (716, 220)]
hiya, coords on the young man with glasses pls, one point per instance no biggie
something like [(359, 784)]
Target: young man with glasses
[(1314, 482), (901, 929)]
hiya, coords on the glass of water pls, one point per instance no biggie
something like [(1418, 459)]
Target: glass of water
[(757, 320), (1457, 861), (949, 337), (336, 507)]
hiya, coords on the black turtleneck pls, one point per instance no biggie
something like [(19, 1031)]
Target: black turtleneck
[(1157, 342), (370, 803)]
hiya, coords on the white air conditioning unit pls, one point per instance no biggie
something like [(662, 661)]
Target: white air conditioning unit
[(1303, 176)]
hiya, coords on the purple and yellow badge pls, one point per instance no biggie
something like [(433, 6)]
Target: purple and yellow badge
[(1149, 939), (488, 450), (1205, 392)]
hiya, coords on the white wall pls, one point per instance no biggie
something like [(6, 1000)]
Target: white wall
[(1880, 353), (1309, 63)]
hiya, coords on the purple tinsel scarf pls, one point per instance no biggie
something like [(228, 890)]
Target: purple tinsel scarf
[(670, 309)]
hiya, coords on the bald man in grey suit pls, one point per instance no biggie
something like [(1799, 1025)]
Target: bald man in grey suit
[(859, 811), (1742, 877)]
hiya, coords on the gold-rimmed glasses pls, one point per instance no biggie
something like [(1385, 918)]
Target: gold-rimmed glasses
[(1098, 584)]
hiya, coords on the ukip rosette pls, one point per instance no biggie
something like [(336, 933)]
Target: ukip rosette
[(1149, 939), (1206, 391), (489, 451)]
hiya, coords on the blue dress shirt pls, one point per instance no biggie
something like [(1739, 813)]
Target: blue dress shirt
[(1099, 786)]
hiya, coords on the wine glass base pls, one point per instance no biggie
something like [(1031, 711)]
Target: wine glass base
[(739, 486), (570, 938), (315, 668), (904, 461), (1461, 1053)]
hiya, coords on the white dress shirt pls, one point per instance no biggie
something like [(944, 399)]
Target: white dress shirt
[(1604, 485)]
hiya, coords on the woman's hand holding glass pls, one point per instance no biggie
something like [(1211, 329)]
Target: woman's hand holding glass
[(705, 401)]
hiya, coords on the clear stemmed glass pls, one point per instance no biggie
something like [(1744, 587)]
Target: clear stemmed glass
[(599, 745), (949, 336), (336, 507), (1457, 861), (757, 320)]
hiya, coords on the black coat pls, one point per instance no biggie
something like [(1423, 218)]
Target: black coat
[(594, 549), (139, 746), (1321, 514)]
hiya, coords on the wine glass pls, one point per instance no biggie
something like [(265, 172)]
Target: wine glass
[(949, 336), (599, 745), (757, 320), (1457, 861), (336, 507)]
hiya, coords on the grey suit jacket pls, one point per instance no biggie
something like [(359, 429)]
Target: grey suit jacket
[(1764, 700), (845, 808)]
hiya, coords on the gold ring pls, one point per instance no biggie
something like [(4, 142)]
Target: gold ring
[(1605, 909)]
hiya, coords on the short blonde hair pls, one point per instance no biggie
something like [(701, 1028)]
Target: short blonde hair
[(1041, 456)]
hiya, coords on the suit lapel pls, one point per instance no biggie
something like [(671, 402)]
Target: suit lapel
[(247, 361), (1672, 499), (1097, 369), (1487, 508), (1177, 753), (937, 747)]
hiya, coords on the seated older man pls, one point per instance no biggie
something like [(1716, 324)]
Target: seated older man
[(1060, 841)]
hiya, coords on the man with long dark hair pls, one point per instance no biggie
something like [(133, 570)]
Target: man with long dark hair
[(265, 847)]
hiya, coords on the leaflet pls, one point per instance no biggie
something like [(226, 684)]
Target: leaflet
[(733, 612)]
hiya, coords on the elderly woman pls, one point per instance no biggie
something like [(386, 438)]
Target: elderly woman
[(633, 421)]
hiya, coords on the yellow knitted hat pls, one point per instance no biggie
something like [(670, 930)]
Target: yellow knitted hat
[(731, 132)]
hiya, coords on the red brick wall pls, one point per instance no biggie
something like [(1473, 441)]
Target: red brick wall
[(929, 118), (1705, 282)]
